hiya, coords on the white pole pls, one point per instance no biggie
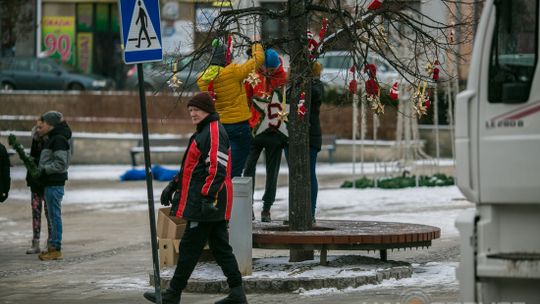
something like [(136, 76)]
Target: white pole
[(375, 125), (38, 27), (436, 123), (355, 127), (363, 129)]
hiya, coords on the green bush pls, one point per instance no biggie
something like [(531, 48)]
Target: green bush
[(404, 181)]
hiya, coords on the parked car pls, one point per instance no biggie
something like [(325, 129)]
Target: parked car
[(336, 65), (156, 74), (46, 74)]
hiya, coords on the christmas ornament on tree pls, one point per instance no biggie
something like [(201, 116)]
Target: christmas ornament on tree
[(382, 34), (253, 79), (353, 84), (420, 100), (283, 115), (375, 5), (377, 106), (432, 70), (27, 161), (271, 114), (435, 75), (372, 89), (394, 91), (313, 43), (452, 34), (302, 110), (174, 83)]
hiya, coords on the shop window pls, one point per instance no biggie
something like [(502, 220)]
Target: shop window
[(102, 17), (514, 51), (85, 17)]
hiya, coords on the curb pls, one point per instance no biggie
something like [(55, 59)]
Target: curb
[(391, 270)]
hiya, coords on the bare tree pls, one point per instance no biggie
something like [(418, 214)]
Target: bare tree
[(16, 21), (397, 31)]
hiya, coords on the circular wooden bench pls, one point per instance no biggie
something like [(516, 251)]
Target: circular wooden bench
[(344, 235)]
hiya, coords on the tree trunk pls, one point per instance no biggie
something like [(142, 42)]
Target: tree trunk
[(300, 217)]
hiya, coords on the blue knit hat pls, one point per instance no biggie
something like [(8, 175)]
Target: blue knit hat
[(271, 59)]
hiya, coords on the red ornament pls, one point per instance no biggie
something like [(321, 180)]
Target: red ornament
[(302, 110), (312, 45), (394, 91), (427, 103), (353, 86), (375, 5), (371, 70), (324, 27), (372, 88)]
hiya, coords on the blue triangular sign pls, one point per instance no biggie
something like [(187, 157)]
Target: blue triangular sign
[(141, 30)]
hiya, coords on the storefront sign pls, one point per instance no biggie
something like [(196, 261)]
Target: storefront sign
[(58, 37), (84, 52)]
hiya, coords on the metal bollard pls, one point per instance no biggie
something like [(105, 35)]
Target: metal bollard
[(240, 225)]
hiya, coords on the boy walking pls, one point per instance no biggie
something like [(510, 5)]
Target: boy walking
[(205, 187)]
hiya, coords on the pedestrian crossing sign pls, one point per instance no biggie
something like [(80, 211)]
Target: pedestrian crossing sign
[(140, 30)]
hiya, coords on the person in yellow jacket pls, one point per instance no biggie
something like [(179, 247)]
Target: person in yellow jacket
[(226, 82)]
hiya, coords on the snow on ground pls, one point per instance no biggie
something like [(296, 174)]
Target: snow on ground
[(437, 206), (429, 275), (113, 172), (439, 276)]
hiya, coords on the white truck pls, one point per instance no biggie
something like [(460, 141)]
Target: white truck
[(498, 158)]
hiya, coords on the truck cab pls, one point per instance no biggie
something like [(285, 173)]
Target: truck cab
[(497, 157)]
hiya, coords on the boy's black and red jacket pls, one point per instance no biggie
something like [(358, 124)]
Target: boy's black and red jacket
[(206, 173)]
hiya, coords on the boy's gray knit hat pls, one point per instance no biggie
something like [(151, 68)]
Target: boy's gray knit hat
[(52, 118)]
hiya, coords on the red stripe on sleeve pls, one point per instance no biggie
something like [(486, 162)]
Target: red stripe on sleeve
[(214, 145)]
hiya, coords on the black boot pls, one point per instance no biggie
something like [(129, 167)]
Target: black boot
[(168, 296), (237, 296)]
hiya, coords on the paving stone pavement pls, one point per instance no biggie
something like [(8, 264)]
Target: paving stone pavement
[(108, 257)]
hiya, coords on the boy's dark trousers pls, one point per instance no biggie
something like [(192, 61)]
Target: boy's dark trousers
[(195, 237), (273, 143)]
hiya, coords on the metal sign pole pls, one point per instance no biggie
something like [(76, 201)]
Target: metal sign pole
[(150, 190)]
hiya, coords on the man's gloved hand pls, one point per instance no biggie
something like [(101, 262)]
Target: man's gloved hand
[(167, 193), (207, 206)]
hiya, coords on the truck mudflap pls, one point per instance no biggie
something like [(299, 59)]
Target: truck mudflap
[(465, 273)]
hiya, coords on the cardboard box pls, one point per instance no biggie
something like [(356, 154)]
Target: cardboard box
[(169, 227), (168, 252)]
